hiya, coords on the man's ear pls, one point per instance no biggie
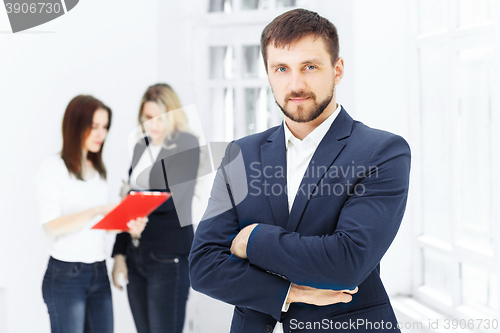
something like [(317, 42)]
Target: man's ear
[(339, 70)]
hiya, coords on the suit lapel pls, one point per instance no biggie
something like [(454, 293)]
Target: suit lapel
[(156, 176), (155, 180), (324, 156), (138, 150), (273, 155)]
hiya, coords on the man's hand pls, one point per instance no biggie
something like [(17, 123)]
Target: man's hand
[(320, 297), (240, 242)]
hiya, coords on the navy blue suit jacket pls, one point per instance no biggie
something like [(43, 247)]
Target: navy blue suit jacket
[(347, 212)]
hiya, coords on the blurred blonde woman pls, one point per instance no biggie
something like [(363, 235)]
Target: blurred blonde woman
[(156, 264)]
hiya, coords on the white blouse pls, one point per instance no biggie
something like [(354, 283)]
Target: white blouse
[(146, 161), (60, 193)]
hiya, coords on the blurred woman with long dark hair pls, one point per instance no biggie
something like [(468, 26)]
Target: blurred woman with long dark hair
[(73, 196)]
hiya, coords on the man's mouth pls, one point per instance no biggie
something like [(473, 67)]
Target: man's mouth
[(298, 100)]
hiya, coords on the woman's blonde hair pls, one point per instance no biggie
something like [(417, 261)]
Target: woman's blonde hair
[(166, 98)]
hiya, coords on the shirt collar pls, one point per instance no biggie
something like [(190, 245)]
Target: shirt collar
[(318, 133)]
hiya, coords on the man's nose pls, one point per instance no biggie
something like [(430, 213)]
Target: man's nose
[(297, 82)]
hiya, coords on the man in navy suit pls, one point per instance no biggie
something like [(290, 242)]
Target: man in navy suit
[(300, 215)]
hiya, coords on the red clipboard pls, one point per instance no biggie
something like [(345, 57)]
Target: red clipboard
[(136, 204)]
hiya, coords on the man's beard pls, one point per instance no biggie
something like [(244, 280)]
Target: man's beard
[(304, 116)]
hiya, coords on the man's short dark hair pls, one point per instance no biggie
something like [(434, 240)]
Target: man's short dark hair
[(295, 24)]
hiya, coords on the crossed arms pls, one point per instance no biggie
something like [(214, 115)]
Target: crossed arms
[(366, 226)]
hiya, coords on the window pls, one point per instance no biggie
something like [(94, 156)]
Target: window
[(225, 6), (457, 238)]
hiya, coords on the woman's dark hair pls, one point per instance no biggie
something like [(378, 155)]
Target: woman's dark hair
[(76, 126)]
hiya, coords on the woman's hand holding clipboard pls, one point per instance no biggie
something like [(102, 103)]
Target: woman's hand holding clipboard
[(135, 205)]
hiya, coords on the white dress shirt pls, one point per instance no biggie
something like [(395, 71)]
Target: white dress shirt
[(298, 155)]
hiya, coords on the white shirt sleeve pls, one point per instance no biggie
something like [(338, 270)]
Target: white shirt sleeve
[(286, 305), (48, 187)]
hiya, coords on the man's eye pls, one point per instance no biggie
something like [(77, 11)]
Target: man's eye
[(281, 69), (310, 67)]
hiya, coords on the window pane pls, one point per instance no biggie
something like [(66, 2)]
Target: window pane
[(474, 147), (474, 12), (254, 4), (229, 113), (253, 66), (251, 100), (286, 3), (220, 6), (432, 16), (437, 273), (478, 287), (436, 158), (222, 108), (221, 62)]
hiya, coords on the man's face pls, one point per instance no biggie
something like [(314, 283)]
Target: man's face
[(302, 78)]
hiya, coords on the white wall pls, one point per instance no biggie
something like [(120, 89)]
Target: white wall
[(382, 63), (105, 48)]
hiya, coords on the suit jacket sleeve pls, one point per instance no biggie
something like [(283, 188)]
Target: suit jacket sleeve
[(366, 227), (214, 271), (121, 244)]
